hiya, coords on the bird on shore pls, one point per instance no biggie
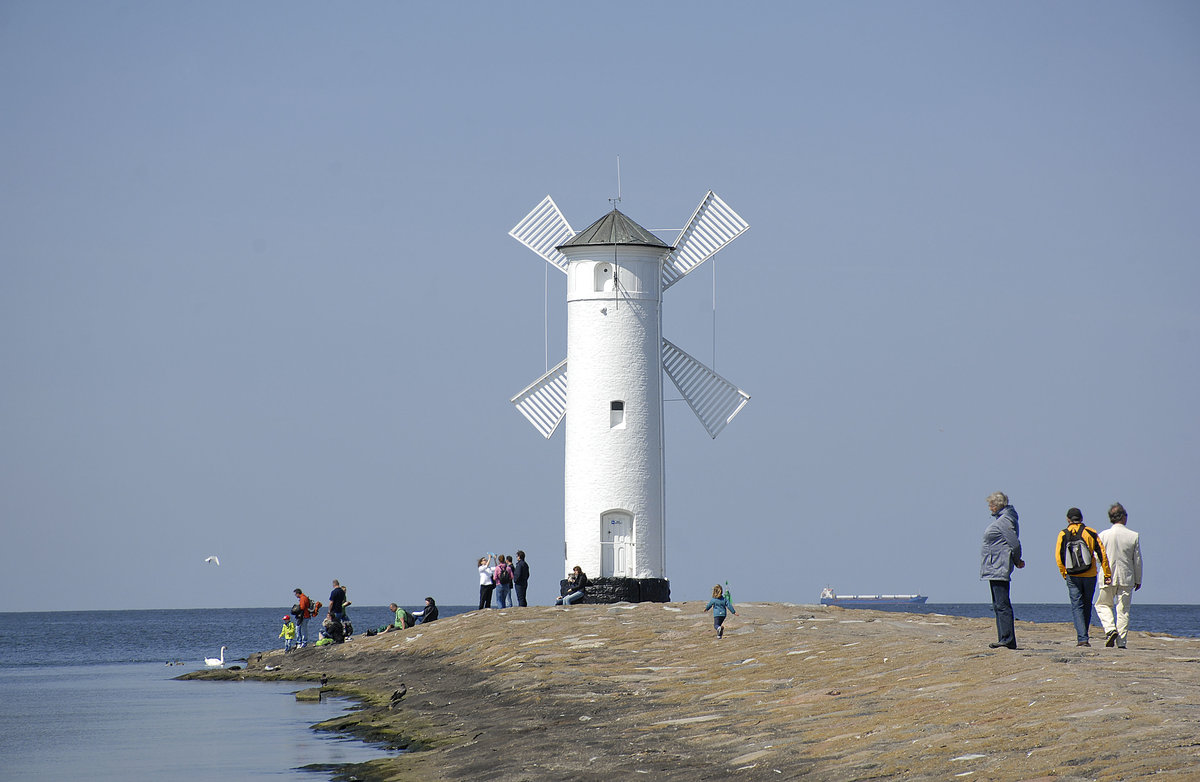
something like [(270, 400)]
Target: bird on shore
[(213, 662), (213, 560), (398, 695), (324, 680)]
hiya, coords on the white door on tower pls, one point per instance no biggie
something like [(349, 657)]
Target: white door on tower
[(616, 544)]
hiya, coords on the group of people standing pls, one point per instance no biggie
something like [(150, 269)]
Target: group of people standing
[(336, 622), (1077, 551), (505, 577)]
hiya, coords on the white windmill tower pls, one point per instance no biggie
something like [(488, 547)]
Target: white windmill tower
[(613, 402)]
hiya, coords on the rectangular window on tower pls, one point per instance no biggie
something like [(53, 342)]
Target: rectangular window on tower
[(616, 414)]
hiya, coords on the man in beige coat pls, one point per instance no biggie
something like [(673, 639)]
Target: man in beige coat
[(1124, 550)]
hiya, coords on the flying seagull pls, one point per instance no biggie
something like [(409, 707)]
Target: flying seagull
[(213, 560)]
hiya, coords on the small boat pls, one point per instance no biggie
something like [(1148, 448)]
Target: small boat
[(831, 598)]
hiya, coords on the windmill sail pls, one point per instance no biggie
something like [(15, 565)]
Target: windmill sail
[(544, 229), (713, 399), (713, 225), (544, 403)]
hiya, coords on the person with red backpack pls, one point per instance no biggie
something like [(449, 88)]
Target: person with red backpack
[(303, 610), (502, 577)]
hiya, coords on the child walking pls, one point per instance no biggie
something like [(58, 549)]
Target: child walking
[(288, 633), (719, 604)]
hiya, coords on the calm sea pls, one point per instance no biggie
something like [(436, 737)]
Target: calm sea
[(90, 695)]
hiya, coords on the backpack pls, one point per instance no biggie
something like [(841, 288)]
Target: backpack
[(1076, 553), (504, 574)]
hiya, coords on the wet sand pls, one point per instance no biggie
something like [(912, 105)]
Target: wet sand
[(791, 692)]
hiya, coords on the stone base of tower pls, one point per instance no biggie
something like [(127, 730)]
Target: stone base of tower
[(627, 590)]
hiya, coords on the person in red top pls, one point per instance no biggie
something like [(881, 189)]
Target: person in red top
[(304, 610)]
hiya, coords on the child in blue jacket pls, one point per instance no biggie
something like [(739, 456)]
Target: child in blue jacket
[(719, 605)]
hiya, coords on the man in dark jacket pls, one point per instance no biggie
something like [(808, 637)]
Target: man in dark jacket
[(338, 601), (1000, 554), (521, 577)]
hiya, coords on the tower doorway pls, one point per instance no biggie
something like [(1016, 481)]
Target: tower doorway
[(616, 544)]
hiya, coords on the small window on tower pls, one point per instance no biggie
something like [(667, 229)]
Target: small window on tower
[(616, 414), (605, 272)]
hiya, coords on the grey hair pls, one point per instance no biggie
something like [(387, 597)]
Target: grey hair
[(997, 498), (1117, 511)]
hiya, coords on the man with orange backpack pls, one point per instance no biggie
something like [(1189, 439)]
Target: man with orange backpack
[(302, 611)]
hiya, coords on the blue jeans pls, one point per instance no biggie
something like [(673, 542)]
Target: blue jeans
[(1081, 589), (504, 595), (571, 598), (521, 593), (301, 631), (1005, 631)]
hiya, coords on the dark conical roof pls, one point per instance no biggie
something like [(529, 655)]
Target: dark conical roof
[(614, 228)]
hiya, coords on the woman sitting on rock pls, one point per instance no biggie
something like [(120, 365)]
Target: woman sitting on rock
[(574, 588)]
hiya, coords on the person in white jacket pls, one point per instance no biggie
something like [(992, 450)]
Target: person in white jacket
[(1124, 550)]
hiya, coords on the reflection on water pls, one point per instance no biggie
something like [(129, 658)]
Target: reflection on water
[(121, 722)]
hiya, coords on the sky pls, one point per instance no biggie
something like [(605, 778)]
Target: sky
[(258, 297)]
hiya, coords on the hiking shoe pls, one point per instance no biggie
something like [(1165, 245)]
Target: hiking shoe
[(1083, 643), (1111, 639)]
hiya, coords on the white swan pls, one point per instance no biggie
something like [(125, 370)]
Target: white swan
[(213, 560), (213, 662)]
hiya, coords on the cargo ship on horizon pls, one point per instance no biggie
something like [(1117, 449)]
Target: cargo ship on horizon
[(831, 598)]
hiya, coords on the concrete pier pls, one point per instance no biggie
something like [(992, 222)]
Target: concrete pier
[(618, 692)]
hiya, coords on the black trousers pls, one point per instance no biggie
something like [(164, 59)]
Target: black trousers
[(1005, 632), (485, 595)]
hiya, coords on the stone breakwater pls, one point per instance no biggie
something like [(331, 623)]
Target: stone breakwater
[(791, 692)]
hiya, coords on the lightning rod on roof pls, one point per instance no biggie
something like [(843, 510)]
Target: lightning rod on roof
[(617, 200)]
